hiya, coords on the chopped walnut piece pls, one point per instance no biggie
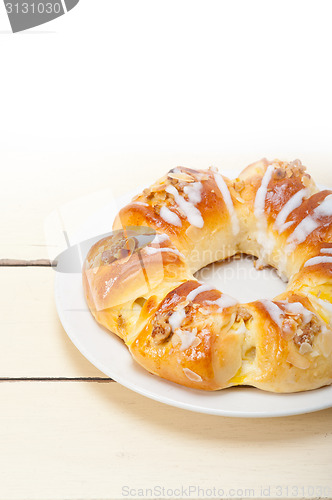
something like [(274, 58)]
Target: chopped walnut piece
[(307, 333), (296, 168), (107, 257), (297, 164), (160, 333), (284, 169), (279, 173), (161, 328), (181, 176), (119, 248)]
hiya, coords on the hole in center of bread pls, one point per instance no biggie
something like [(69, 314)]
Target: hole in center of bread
[(239, 278)]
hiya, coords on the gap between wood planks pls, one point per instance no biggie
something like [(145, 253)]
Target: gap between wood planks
[(44, 263), (56, 379), (25, 263)]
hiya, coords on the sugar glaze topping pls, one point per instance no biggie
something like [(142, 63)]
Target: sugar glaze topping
[(187, 337), (294, 202), (309, 224), (326, 250), (160, 238), (223, 302), (223, 188), (152, 250), (265, 240), (194, 192), (192, 213), (293, 308), (170, 217), (175, 320), (314, 261), (259, 207), (202, 288), (274, 311)]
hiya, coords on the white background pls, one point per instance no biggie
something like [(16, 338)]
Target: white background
[(232, 78)]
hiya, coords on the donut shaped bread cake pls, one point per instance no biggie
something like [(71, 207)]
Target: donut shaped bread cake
[(144, 290)]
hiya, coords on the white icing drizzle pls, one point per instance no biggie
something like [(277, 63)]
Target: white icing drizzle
[(326, 250), (294, 202), (187, 338), (170, 217), (318, 260), (223, 302), (140, 203), (293, 308), (108, 286), (309, 224), (300, 233), (286, 226), (223, 188), (193, 191), (297, 308), (194, 377), (274, 311), (264, 239), (259, 207), (202, 288), (325, 208), (160, 238), (176, 319), (192, 213), (152, 250)]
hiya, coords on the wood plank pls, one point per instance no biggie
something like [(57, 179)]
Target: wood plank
[(30, 191), (32, 340), (90, 440), (36, 184)]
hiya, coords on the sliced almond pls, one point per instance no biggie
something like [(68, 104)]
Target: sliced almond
[(158, 187), (239, 198), (176, 340), (296, 359), (194, 377), (305, 348), (181, 176), (196, 342)]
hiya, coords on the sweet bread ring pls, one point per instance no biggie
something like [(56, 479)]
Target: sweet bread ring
[(193, 334)]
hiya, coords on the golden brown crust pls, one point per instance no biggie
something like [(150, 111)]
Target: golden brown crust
[(193, 334)]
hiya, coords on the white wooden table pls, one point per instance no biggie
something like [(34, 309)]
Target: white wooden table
[(67, 431)]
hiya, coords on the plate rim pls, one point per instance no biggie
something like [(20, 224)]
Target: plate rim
[(171, 402)]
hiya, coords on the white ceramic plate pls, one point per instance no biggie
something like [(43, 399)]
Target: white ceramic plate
[(108, 353)]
